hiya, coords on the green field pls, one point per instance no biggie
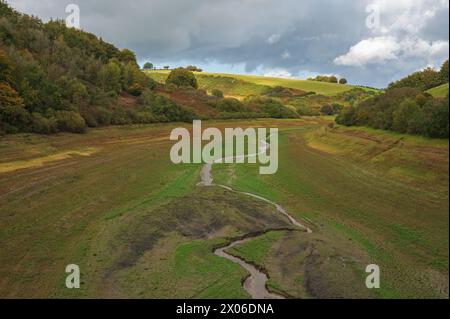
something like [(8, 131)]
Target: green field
[(243, 85), (111, 202), (440, 91)]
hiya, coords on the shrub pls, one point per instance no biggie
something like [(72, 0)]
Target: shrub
[(69, 121), (443, 73), (120, 116), (403, 115), (271, 107), (89, 118), (343, 81), (217, 93), (135, 89), (229, 105), (347, 117), (327, 109), (42, 125), (163, 108), (182, 78), (103, 116)]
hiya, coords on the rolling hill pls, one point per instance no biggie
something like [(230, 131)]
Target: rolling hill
[(238, 85)]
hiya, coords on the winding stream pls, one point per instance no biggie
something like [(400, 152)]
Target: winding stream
[(256, 282)]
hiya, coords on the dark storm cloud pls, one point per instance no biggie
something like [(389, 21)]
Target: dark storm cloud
[(267, 36)]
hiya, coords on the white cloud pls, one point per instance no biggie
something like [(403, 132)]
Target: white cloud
[(285, 55), (385, 48), (274, 38), (399, 36), (278, 73), (370, 50), (167, 32)]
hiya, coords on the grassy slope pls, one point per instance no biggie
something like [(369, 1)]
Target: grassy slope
[(249, 84), (106, 210), (440, 91), (138, 226), (391, 198)]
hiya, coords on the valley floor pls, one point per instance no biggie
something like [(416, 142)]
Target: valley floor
[(138, 226)]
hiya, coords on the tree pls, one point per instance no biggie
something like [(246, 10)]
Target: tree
[(5, 67), (444, 72), (110, 76), (343, 81), (436, 114), (347, 116), (422, 80), (70, 122), (166, 67), (193, 68), (182, 78), (13, 114), (402, 116), (127, 56), (148, 66), (333, 79)]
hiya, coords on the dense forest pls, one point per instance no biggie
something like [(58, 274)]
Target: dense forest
[(405, 107)]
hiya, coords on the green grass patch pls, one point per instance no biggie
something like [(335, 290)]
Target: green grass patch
[(440, 91)]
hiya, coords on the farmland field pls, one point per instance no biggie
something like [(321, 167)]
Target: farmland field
[(112, 202)]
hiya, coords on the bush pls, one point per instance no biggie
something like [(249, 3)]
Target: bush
[(42, 125), (164, 109), (271, 107), (402, 116), (120, 116), (327, 109), (182, 78), (136, 89), (217, 93), (343, 81), (103, 116), (229, 105), (69, 121), (443, 73), (347, 117)]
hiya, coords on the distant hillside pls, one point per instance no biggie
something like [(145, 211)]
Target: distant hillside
[(309, 98), (423, 80), (439, 91), (244, 85)]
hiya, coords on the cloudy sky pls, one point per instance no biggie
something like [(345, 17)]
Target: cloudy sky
[(370, 42)]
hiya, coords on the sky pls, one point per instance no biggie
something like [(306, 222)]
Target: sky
[(369, 42)]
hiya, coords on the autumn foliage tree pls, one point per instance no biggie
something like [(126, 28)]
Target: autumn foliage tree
[(182, 78)]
